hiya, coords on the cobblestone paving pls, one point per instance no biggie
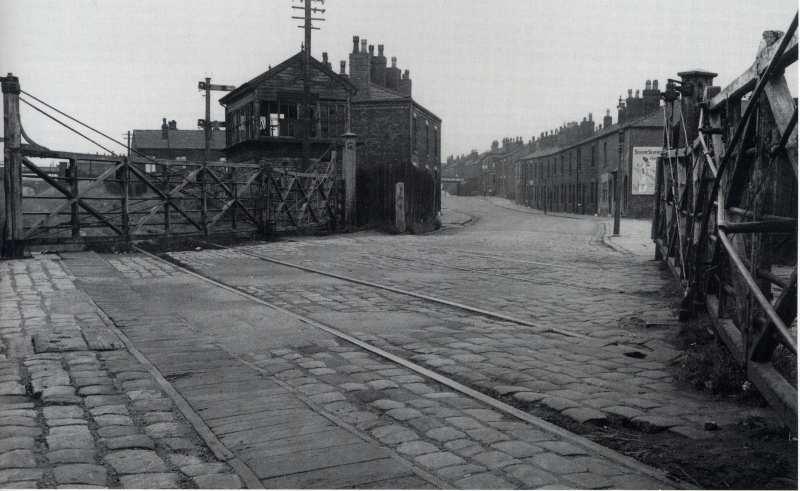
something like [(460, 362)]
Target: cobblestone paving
[(460, 440), (585, 379), (457, 441), (553, 272), (76, 409)]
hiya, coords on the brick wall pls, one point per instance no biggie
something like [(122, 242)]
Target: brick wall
[(383, 132)]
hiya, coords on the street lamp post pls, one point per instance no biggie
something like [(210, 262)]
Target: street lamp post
[(618, 184)]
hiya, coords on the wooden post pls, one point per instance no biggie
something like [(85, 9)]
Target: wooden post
[(400, 207), (167, 221), (235, 193), (126, 221), (74, 189), (12, 170), (207, 155)]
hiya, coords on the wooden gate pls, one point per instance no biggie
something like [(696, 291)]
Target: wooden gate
[(726, 211), (110, 198)]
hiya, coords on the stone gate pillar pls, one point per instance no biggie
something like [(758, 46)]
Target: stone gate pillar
[(349, 167)]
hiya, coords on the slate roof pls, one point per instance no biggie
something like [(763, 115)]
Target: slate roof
[(653, 120), (377, 93), (177, 139), (298, 58)]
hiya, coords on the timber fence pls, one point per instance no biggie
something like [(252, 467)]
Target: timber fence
[(726, 211)]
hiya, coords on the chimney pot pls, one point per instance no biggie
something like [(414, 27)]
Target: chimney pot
[(637, 93), (655, 84), (363, 45), (394, 62), (355, 44), (325, 57), (372, 49), (647, 85), (342, 66), (380, 50)]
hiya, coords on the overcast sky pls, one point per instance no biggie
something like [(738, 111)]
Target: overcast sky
[(488, 68)]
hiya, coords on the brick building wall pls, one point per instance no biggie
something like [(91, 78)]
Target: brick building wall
[(580, 178), (383, 130)]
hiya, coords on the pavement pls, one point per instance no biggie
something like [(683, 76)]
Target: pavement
[(126, 371), (76, 408)]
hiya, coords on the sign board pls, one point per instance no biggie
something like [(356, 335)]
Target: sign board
[(643, 169), (400, 207), (226, 88)]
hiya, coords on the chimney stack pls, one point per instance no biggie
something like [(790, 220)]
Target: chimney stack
[(360, 67), (325, 60), (378, 68), (342, 67), (405, 84), (393, 75), (164, 129), (607, 119), (173, 125)]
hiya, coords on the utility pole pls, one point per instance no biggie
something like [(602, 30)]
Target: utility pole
[(308, 26), (618, 183), (207, 124)]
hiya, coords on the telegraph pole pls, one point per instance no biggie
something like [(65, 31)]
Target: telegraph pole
[(308, 26)]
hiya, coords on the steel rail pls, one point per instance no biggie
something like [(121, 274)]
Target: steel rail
[(442, 379), (429, 298)]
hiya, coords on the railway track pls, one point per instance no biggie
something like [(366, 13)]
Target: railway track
[(429, 298), (427, 373)]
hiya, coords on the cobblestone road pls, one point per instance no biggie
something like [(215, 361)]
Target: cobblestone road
[(302, 408), (219, 390), (564, 278)]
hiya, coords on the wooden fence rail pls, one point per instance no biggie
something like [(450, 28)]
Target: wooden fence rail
[(726, 211), (109, 198)]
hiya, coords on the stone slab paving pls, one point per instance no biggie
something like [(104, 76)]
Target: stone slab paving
[(76, 409), (305, 409)]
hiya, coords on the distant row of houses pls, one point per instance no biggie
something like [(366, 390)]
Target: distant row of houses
[(574, 167)]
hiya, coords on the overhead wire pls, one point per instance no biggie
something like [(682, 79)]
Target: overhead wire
[(127, 147), (65, 125)]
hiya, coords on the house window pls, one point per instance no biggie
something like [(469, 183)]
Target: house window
[(594, 148), (605, 153), (436, 141)]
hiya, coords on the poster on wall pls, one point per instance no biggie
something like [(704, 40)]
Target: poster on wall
[(643, 175)]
